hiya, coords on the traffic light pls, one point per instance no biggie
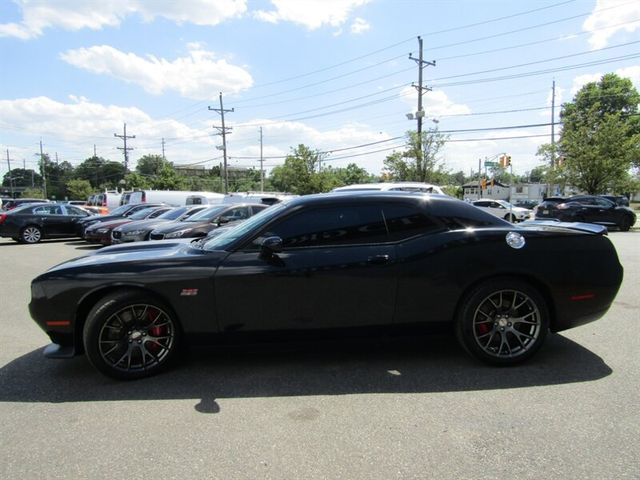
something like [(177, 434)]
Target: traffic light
[(505, 160), (492, 182), (483, 184)]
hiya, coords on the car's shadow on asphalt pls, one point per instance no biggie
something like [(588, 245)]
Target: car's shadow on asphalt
[(425, 365), (83, 245)]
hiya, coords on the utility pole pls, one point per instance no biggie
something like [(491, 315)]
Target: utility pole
[(421, 89), (163, 157), (261, 165), (95, 154), (10, 175), (44, 171), (223, 131), (553, 136), (125, 149)]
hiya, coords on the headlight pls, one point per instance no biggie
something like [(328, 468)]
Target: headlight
[(177, 233), (134, 233), (102, 230)]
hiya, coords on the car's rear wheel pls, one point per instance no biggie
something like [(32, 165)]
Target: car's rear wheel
[(31, 234), (503, 321), (131, 335)]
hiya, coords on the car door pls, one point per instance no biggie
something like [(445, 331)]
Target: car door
[(71, 216), (336, 270), (604, 211), (51, 218)]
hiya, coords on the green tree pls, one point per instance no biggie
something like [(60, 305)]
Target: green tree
[(299, 174), (168, 179), (78, 189), (600, 139), (353, 174), (22, 178), (32, 193), (151, 164), (100, 173), (420, 162), (133, 181)]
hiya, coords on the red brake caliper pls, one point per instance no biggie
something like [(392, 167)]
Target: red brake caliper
[(155, 331)]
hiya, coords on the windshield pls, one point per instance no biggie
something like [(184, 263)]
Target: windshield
[(142, 214), (505, 204), (207, 214), (173, 214), (120, 210), (225, 239)]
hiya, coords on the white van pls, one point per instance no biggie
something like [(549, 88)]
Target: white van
[(392, 186), (175, 198), (106, 201), (205, 198), (265, 198)]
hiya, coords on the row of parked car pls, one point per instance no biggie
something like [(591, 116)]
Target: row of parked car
[(610, 211), (32, 222)]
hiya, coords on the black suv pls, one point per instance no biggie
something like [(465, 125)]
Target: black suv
[(586, 208)]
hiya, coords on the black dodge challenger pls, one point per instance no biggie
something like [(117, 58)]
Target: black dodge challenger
[(331, 263)]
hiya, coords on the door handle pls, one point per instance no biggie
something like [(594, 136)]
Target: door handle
[(378, 259)]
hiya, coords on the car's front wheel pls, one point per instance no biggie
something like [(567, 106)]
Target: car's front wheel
[(31, 234), (625, 224), (503, 321), (510, 218), (131, 335)]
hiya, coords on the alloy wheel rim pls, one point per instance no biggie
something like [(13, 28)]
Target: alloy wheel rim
[(31, 235), (506, 324), (136, 338)]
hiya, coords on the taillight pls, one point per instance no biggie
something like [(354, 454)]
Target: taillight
[(562, 206), (3, 217)]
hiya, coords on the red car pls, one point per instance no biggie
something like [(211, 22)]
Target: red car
[(101, 232)]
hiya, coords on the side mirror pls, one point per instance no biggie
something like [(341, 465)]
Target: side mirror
[(271, 245)]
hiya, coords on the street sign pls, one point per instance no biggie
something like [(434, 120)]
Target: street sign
[(490, 164)]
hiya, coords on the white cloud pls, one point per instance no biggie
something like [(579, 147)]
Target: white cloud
[(312, 14), (464, 155), (279, 137), (604, 22), (632, 73), (360, 25), (79, 124), (199, 75), (38, 15), (435, 103), (581, 80)]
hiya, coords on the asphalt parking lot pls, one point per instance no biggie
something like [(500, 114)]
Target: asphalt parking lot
[(408, 409)]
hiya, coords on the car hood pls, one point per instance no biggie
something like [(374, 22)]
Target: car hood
[(108, 224), (148, 224), (158, 252), (175, 226)]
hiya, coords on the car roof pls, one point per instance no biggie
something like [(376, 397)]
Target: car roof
[(383, 186)]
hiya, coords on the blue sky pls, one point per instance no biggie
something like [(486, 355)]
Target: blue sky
[(332, 74)]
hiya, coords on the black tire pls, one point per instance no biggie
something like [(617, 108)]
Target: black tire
[(30, 234), (510, 218), (502, 321), (130, 335), (625, 224)]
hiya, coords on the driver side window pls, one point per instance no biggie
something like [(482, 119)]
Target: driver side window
[(338, 225)]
